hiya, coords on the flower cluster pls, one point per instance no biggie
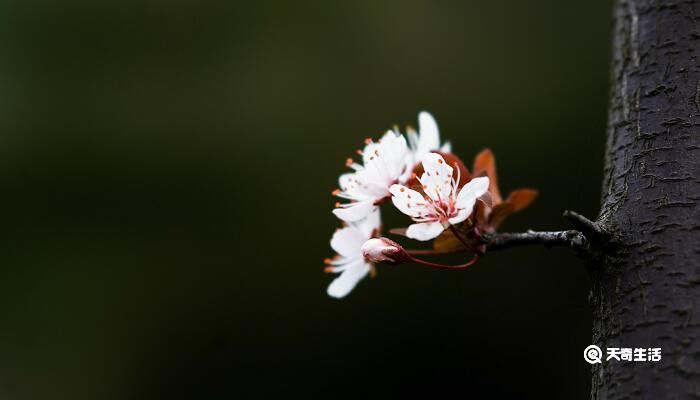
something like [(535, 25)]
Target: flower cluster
[(429, 184)]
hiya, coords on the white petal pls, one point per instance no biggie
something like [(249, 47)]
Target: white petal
[(355, 211), (472, 191), (348, 241), (354, 188), (446, 148), (461, 216), (392, 153), (407, 170), (408, 201), (424, 231), (437, 178), (398, 155), (412, 137), (343, 284), (369, 225), (429, 134)]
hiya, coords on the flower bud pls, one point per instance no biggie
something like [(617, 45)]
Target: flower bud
[(383, 250)]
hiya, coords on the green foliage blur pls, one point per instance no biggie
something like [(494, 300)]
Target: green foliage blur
[(165, 179)]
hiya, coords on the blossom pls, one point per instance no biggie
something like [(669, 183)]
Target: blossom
[(382, 250), (426, 140), (384, 164), (443, 202), (350, 262), (487, 219)]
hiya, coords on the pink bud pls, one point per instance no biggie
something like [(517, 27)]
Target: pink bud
[(382, 250)]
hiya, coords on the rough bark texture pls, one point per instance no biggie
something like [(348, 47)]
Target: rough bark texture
[(646, 282)]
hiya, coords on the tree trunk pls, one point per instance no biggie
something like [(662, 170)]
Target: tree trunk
[(646, 281)]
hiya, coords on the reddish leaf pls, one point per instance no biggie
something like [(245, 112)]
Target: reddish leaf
[(521, 198), (447, 242), (485, 164), (499, 213)]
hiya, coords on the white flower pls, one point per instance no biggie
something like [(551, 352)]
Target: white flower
[(441, 206), (384, 164), (426, 140), (349, 261)]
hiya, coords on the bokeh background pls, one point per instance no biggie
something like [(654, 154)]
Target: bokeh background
[(165, 178)]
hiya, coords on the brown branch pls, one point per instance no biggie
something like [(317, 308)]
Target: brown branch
[(580, 240)]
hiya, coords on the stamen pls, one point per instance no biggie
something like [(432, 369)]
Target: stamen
[(459, 178)]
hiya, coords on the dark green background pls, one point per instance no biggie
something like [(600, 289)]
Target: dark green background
[(165, 171)]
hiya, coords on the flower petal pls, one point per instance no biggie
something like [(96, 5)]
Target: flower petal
[(348, 241), (408, 201), (354, 211), (369, 225), (413, 139), (424, 231), (352, 187), (394, 150), (386, 158), (437, 179), (470, 192), (461, 216), (343, 284), (429, 138)]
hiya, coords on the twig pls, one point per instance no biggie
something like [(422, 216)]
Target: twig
[(466, 265), (498, 241)]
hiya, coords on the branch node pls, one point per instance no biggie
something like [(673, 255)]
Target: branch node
[(590, 229)]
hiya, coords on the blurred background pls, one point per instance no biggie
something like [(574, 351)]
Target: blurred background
[(165, 179)]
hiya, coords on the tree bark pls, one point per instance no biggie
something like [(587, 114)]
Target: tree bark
[(646, 279)]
